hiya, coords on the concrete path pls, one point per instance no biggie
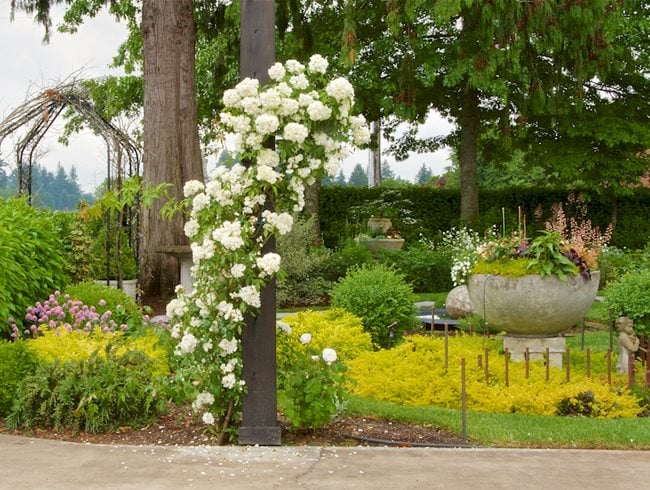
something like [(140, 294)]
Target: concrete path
[(40, 464)]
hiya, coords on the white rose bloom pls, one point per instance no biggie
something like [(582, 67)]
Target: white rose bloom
[(268, 157), (266, 123), (237, 270), (270, 99), (229, 235), (187, 344), (250, 105), (267, 174), (230, 366), (269, 263), (288, 107), (305, 338), (228, 346), (228, 381), (332, 168), (192, 187), (229, 312), (248, 87), (207, 346), (176, 307), (200, 201), (361, 136), (318, 64), (318, 111), (282, 222), (254, 141), (241, 124), (284, 89), (191, 228), (340, 89), (249, 295), (295, 132), (277, 72), (329, 355), (357, 121), (208, 418), (203, 398), (202, 251), (283, 326), (294, 66), (231, 98), (299, 81), (213, 188), (304, 100)]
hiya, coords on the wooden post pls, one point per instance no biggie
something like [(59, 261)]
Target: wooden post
[(463, 398), (547, 357), (259, 410), (506, 368), (609, 367), (446, 345), (630, 370), (487, 371), (647, 364), (527, 361)]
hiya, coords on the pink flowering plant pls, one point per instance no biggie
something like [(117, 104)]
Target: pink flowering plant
[(61, 312), (309, 117)]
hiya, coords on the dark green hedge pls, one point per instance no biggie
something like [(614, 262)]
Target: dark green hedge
[(439, 209)]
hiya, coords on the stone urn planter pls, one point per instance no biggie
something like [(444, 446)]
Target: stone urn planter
[(532, 306), (380, 225)]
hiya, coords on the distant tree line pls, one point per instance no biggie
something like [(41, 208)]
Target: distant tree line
[(55, 190), (359, 177)]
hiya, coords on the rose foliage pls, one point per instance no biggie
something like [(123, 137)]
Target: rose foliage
[(241, 208)]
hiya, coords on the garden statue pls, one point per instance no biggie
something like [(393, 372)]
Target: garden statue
[(628, 343)]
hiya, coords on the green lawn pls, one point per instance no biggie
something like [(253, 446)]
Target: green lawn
[(516, 430)]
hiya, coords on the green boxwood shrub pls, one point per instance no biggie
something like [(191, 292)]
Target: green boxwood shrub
[(425, 269), (17, 361), (630, 296), (31, 258), (381, 297), (349, 255), (123, 308)]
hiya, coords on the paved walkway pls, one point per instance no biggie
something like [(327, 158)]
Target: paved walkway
[(40, 464)]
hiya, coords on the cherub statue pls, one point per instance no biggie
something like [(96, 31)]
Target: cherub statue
[(628, 343)]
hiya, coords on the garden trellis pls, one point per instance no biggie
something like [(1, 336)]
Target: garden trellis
[(32, 120), (39, 113)]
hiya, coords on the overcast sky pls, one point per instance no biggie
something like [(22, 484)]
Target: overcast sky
[(29, 66)]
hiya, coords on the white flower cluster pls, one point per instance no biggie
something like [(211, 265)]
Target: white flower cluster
[(231, 218), (268, 264)]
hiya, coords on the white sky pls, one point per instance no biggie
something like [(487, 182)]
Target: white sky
[(29, 66)]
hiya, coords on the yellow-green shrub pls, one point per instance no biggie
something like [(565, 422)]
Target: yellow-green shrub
[(414, 374), (61, 345), (334, 328)]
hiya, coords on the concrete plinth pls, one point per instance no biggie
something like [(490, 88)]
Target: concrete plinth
[(536, 348)]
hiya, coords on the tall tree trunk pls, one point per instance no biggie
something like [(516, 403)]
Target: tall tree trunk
[(375, 155), (312, 209), (171, 140), (469, 127)]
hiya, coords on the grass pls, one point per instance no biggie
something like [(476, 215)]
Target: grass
[(517, 430)]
